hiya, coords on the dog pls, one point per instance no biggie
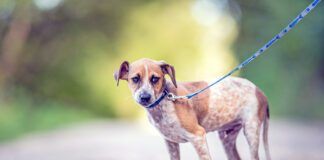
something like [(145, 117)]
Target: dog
[(227, 107)]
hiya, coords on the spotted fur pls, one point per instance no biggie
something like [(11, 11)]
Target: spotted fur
[(229, 106)]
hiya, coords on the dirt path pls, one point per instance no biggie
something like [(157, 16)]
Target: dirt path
[(102, 140)]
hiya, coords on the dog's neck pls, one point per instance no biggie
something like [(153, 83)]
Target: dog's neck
[(156, 112)]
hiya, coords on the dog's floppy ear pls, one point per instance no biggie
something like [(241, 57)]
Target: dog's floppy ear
[(168, 69), (122, 72)]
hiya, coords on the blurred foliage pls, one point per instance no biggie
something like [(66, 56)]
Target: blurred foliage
[(57, 57), (291, 72), (24, 115)]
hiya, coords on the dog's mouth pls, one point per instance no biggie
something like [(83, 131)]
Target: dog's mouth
[(144, 104), (145, 98)]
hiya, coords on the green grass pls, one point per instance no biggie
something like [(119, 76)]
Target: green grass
[(22, 116)]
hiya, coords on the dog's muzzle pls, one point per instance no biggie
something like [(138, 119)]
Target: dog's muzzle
[(144, 98)]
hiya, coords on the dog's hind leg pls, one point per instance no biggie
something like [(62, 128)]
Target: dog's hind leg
[(173, 149), (228, 138), (251, 130)]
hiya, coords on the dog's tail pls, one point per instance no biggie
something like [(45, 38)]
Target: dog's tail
[(265, 133)]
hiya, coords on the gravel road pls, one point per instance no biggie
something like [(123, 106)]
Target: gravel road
[(118, 140)]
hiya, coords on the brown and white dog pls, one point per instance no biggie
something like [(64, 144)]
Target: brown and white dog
[(227, 107)]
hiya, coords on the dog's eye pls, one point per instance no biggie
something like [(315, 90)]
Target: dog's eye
[(135, 79), (154, 79)]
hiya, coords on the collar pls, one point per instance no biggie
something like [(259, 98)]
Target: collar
[(157, 101)]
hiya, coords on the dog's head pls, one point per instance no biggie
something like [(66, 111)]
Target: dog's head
[(146, 78)]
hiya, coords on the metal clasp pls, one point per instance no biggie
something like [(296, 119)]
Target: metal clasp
[(171, 97)]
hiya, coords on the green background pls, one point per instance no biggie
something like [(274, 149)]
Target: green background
[(57, 57)]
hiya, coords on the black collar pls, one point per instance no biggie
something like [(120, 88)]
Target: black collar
[(157, 101)]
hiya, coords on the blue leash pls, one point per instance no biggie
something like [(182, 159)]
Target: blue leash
[(291, 25)]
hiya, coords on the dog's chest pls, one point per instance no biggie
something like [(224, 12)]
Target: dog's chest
[(165, 119)]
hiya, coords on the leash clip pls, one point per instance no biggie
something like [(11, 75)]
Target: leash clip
[(171, 97)]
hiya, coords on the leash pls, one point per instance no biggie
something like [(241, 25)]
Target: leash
[(283, 32)]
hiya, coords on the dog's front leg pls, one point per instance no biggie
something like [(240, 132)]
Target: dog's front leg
[(173, 149), (200, 144)]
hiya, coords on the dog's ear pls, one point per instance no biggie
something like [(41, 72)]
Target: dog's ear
[(122, 72), (168, 69)]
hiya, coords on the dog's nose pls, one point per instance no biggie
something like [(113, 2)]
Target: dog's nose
[(145, 98)]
